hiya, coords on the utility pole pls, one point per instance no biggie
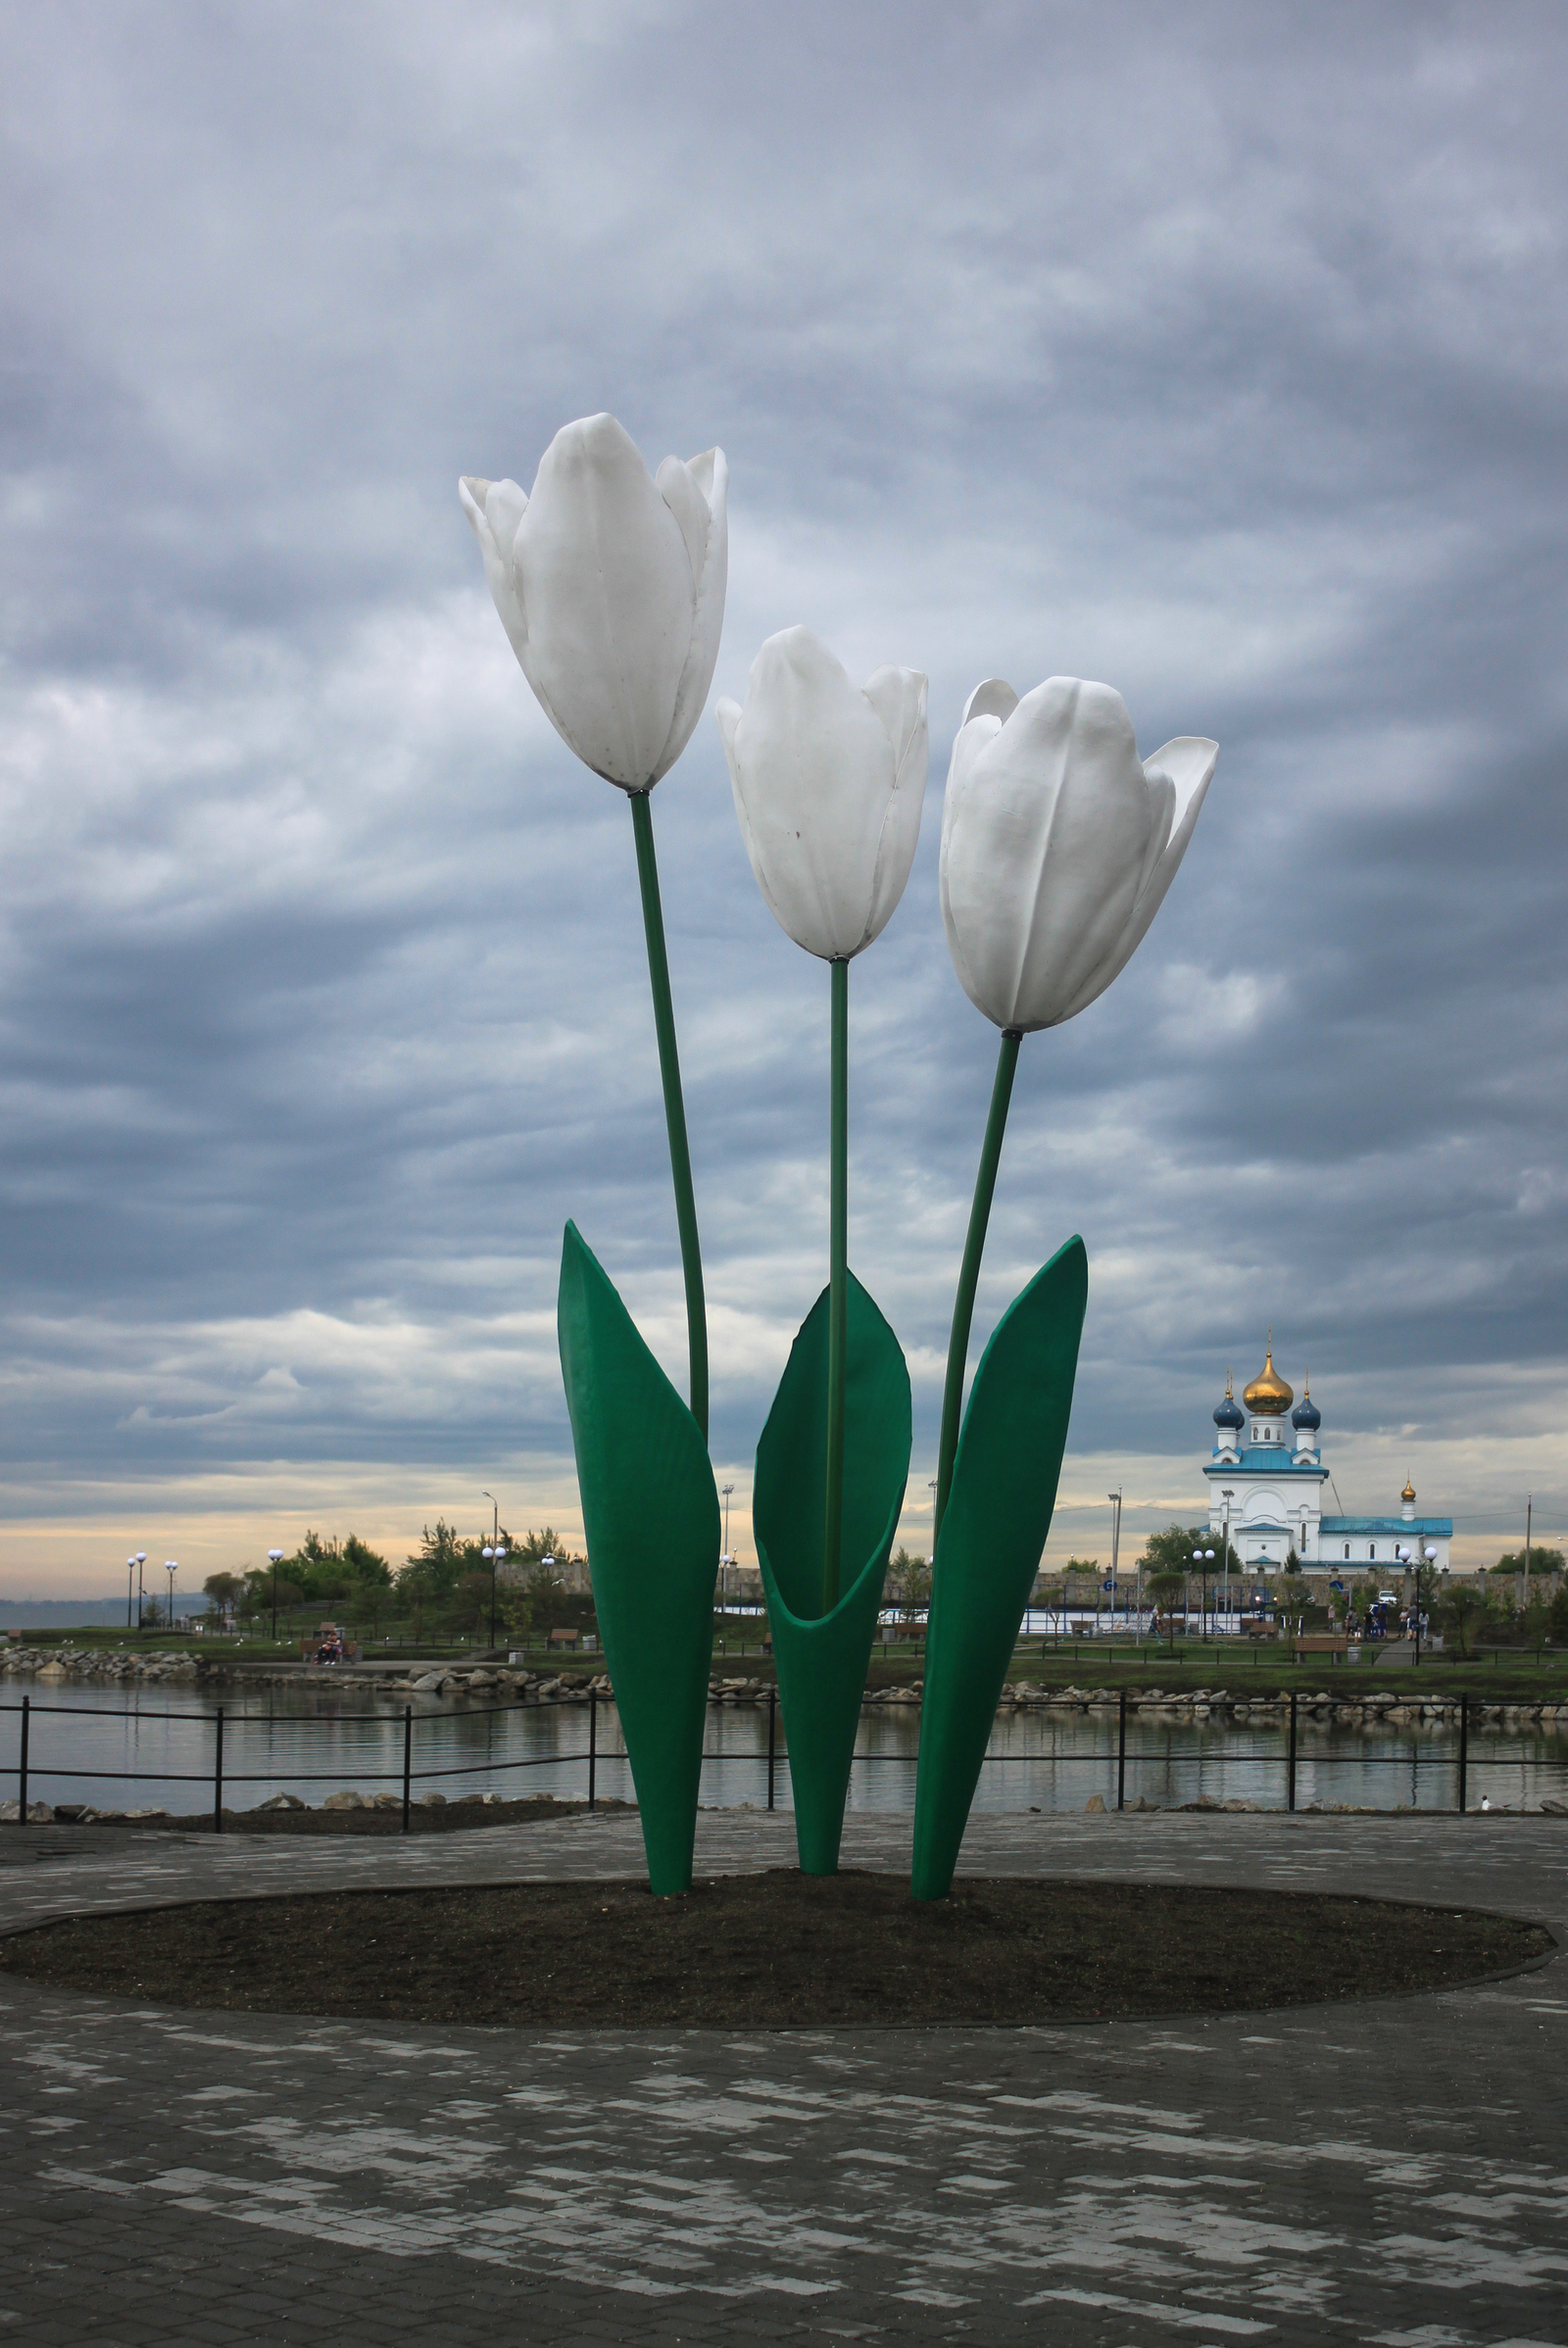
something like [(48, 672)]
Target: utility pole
[(1114, 1498), (1524, 1578)]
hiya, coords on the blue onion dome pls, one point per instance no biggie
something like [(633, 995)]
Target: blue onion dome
[(1228, 1414), (1307, 1412)]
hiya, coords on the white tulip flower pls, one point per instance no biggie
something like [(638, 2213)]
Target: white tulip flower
[(611, 586), (829, 781), (1059, 845)]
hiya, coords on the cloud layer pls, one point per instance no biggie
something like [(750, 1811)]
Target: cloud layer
[(1220, 356)]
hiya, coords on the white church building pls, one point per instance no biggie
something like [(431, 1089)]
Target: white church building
[(1267, 1481)]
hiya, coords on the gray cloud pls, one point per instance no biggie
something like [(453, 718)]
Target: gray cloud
[(1222, 357)]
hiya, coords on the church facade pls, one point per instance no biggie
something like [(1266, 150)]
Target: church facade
[(1267, 1481)]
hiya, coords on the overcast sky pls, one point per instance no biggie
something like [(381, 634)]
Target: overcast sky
[(1215, 352)]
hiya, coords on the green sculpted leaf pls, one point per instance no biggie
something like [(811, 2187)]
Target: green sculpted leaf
[(823, 1659), (652, 1517), (988, 1553)]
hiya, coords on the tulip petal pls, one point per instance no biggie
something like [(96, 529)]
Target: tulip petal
[(993, 697), (899, 698), (601, 569), (1187, 764), (971, 738), (1044, 841), (707, 476), (490, 506), (813, 771)]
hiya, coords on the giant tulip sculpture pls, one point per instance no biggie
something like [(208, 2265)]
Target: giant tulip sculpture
[(611, 586), (829, 778), (1059, 845)]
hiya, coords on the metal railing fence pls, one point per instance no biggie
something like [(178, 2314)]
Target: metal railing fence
[(1101, 1757)]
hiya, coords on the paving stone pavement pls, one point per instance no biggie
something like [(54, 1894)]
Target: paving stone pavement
[(1394, 2172)]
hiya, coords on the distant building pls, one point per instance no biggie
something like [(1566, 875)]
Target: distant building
[(1267, 1473)]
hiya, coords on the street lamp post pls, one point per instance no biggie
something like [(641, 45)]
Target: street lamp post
[(275, 1559), (130, 1589), (1417, 1560), (1114, 1498), (1430, 1557), (724, 1561), (494, 1552), (170, 1568), (1227, 1494), (141, 1584), (1203, 1559)]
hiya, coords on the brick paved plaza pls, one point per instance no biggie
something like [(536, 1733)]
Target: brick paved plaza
[(1395, 2172)]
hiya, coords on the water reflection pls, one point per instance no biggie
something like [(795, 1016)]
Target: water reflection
[(310, 1741)]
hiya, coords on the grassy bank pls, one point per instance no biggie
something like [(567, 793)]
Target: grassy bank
[(1264, 1666)]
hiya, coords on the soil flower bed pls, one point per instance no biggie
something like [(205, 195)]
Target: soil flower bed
[(771, 1950)]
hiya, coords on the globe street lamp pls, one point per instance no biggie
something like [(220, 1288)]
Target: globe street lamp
[(1227, 1494), (141, 1584), (1204, 1559), (170, 1568), (130, 1589), (494, 1552), (276, 1556), (1416, 1560)]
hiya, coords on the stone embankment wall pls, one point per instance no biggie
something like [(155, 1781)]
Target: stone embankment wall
[(103, 1667), (1377, 1709)]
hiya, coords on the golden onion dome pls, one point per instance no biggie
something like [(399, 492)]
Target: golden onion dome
[(1268, 1394), (1409, 1492)]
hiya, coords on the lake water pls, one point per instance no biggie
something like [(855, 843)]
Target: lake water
[(310, 1743)]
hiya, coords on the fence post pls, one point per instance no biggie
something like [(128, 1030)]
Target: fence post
[(1121, 1752), (1290, 1783), (593, 1741), (772, 1722), (407, 1759), (21, 1800), (1464, 1746), (217, 1778)]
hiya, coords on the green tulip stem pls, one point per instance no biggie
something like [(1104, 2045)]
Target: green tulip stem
[(838, 1321), (984, 1184), (681, 1156)]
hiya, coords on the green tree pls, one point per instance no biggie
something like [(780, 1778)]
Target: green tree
[(288, 1596), (1557, 1619), (1542, 1560), (1292, 1598), (428, 1582), (546, 1587), (223, 1590), (909, 1584), (1163, 1590), (328, 1571), (1460, 1613), (1171, 1551)]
